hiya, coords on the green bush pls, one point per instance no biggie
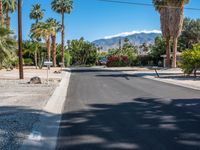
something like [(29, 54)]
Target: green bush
[(145, 60), (28, 61), (190, 60), (67, 58)]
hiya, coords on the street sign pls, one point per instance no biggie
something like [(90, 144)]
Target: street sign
[(48, 63)]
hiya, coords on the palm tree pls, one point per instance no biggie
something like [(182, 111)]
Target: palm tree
[(160, 6), (57, 27), (43, 30), (176, 17), (7, 46), (9, 6), (62, 7), (1, 13), (37, 13), (21, 72)]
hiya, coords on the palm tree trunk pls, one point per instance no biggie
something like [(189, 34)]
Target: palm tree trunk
[(49, 49), (175, 41), (21, 72), (1, 13), (54, 49), (7, 20), (36, 58), (168, 64), (63, 39)]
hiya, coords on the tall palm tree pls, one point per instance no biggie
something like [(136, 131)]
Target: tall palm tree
[(21, 72), (62, 7), (160, 6), (43, 30), (176, 17), (57, 27), (9, 6), (1, 13), (37, 13)]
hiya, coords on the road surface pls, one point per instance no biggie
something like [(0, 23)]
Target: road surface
[(109, 110)]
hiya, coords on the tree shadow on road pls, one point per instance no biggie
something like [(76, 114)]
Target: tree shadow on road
[(144, 124), (125, 76)]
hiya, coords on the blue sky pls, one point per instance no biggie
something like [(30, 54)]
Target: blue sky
[(93, 19)]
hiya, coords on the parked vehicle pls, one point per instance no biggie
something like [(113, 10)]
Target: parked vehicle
[(103, 61)]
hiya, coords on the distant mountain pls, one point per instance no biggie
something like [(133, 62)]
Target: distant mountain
[(135, 38)]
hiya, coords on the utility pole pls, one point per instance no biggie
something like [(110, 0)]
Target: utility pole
[(21, 72)]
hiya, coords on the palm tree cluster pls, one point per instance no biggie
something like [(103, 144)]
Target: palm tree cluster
[(48, 29), (171, 17)]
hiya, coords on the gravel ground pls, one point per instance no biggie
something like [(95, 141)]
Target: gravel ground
[(20, 106)]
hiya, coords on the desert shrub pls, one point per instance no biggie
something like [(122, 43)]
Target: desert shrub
[(190, 60), (117, 61)]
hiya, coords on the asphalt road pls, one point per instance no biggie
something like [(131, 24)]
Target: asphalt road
[(109, 110)]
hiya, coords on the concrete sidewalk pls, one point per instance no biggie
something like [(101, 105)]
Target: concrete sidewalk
[(44, 133), (172, 75)]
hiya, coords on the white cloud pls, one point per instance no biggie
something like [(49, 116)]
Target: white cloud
[(123, 34)]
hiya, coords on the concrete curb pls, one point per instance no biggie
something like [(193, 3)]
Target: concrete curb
[(45, 131), (174, 83)]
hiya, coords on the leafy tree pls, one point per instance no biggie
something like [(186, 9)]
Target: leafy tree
[(7, 47), (127, 51), (67, 56), (130, 51), (9, 6), (190, 34), (190, 60), (83, 52), (102, 54), (62, 7), (158, 49)]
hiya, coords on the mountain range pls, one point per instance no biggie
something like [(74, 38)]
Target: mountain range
[(135, 39)]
